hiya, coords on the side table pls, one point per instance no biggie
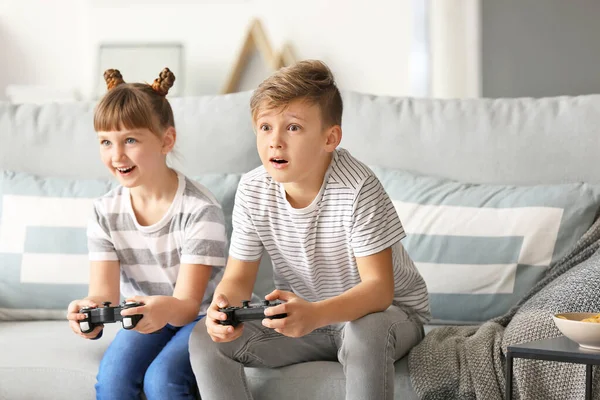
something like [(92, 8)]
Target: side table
[(559, 349)]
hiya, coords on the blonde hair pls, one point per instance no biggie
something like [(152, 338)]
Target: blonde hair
[(135, 105), (310, 80)]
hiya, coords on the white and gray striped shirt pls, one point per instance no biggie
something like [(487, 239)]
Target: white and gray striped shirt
[(191, 232), (314, 249)]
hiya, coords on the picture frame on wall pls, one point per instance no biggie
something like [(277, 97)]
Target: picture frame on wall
[(141, 62)]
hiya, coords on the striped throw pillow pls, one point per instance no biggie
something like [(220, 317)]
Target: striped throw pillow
[(481, 247)]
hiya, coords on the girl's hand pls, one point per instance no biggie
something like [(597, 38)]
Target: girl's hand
[(155, 311), (220, 333), (74, 316), (302, 317)]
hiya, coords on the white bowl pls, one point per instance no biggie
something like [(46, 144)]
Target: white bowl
[(586, 334)]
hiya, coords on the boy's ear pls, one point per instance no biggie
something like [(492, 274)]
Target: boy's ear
[(169, 139), (333, 138)]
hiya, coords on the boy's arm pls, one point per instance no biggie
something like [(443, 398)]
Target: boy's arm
[(376, 228), (236, 285), (374, 293)]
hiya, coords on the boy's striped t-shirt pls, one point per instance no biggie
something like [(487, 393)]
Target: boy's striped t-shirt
[(191, 232), (314, 249)]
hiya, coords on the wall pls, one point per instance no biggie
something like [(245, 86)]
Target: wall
[(367, 44), (455, 48), (540, 47)]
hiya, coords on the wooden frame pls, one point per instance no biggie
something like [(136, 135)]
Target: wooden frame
[(256, 40)]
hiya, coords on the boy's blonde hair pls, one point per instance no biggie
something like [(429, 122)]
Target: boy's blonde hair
[(310, 80), (135, 105)]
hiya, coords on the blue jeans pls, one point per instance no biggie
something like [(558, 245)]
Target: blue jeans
[(158, 364)]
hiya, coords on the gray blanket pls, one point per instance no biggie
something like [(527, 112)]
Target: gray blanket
[(467, 362)]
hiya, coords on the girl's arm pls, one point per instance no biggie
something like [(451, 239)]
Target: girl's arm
[(104, 282), (189, 293), (179, 309), (104, 286)]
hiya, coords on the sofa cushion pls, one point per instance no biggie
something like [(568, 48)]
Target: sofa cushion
[(43, 242), (480, 247), (63, 366)]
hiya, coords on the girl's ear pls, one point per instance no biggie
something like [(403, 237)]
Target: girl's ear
[(169, 139)]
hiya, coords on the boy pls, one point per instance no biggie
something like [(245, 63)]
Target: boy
[(350, 290)]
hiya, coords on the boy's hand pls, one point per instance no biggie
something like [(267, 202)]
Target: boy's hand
[(155, 310), (302, 317), (74, 316), (220, 333)]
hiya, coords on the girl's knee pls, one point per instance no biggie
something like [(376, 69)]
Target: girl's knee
[(168, 381), (114, 382)]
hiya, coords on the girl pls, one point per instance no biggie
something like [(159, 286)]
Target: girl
[(159, 237)]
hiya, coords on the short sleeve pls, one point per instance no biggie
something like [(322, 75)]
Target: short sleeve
[(245, 242), (100, 243), (205, 238), (376, 225)]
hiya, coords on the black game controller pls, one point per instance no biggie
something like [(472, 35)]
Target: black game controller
[(247, 312), (104, 315)]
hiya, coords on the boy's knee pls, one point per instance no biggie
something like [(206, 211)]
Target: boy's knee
[(375, 327)]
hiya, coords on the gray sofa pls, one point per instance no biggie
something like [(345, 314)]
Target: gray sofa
[(516, 141)]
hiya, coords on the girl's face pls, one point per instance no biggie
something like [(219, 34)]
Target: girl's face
[(135, 156)]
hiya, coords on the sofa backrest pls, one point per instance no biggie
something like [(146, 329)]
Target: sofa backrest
[(214, 134), (505, 141), (519, 141)]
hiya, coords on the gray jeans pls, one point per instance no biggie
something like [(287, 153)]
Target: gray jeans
[(367, 349)]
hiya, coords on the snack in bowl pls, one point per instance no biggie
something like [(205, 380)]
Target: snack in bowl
[(582, 328)]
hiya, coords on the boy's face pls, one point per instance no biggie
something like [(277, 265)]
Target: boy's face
[(293, 142), (133, 156)]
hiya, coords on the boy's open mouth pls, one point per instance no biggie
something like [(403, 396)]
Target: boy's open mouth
[(278, 160), (125, 170)]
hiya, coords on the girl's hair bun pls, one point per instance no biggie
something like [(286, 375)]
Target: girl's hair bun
[(164, 82), (113, 78)]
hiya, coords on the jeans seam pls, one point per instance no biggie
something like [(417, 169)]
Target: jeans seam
[(245, 382), (387, 350)]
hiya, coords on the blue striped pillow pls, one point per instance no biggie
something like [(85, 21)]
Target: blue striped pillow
[(481, 247), (43, 243)]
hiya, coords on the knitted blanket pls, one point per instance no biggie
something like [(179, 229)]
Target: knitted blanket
[(468, 362)]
